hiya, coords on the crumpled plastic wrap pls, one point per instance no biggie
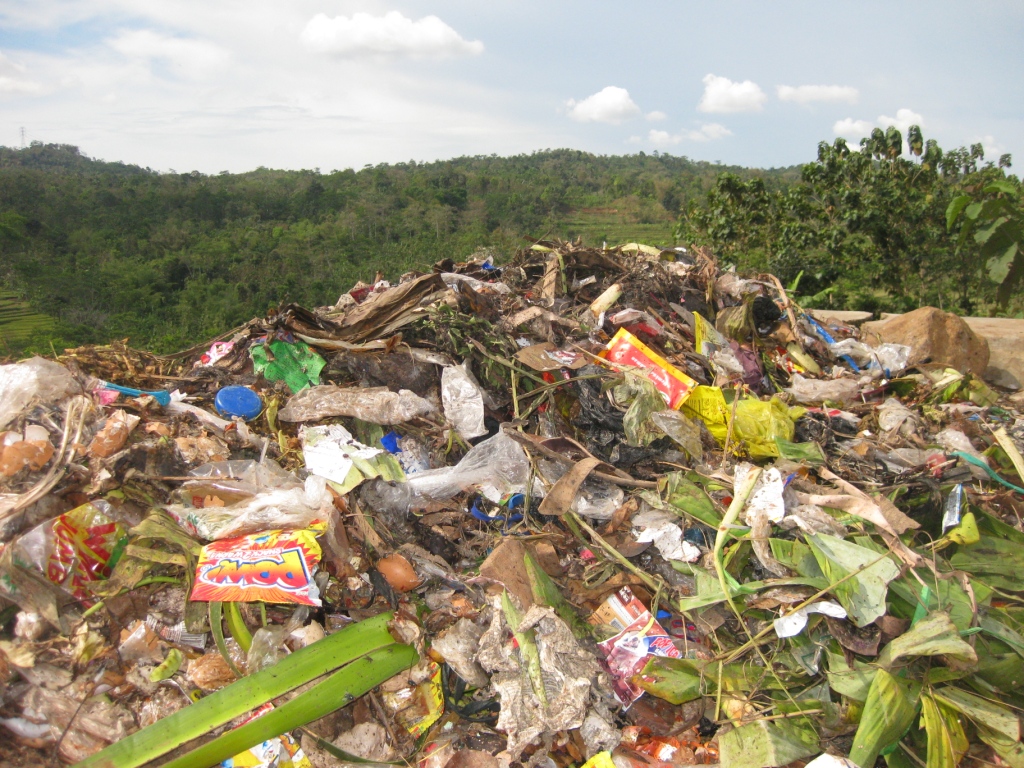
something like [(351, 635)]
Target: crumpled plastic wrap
[(237, 500), (496, 466), (573, 682), (32, 382), (890, 358), (816, 391), (378, 405), (463, 401)]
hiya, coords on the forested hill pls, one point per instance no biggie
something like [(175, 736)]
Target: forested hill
[(110, 250)]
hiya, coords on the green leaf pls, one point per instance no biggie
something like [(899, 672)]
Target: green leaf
[(342, 687), (764, 744), (546, 592), (935, 635), (999, 266), (983, 234), (246, 694), (681, 680), (797, 556), (947, 742), (217, 629), (683, 496), (1005, 187), (954, 209), (982, 711), (853, 683), (973, 210), (888, 713), (863, 595)]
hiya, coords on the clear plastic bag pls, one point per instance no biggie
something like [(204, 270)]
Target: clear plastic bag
[(32, 382), (463, 401), (496, 466), (817, 391), (235, 498)]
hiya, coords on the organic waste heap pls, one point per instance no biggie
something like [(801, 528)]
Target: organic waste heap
[(589, 506)]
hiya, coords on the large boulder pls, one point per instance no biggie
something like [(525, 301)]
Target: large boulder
[(933, 336)]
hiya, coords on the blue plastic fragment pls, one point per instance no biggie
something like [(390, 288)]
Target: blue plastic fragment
[(390, 442), (238, 401)]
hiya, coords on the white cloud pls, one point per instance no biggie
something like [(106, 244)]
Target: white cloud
[(609, 105), (391, 33), (13, 79), (707, 132), (807, 94), (903, 120), (185, 56), (656, 116), (849, 128), (722, 95)]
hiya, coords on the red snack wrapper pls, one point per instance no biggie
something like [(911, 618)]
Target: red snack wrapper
[(272, 567), (627, 349), (85, 546)]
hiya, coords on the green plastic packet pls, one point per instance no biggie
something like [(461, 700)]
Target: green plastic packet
[(294, 363)]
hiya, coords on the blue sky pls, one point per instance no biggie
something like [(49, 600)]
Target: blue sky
[(214, 85)]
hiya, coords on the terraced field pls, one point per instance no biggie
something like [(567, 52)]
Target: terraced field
[(597, 225), (18, 321)]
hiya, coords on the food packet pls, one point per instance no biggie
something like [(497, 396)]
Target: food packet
[(269, 567)]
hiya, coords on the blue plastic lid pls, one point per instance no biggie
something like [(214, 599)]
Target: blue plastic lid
[(238, 401)]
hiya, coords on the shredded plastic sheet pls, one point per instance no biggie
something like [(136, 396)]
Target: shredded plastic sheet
[(269, 567)]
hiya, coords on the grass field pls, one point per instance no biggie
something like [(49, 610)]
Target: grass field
[(18, 321)]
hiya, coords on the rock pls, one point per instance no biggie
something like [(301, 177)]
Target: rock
[(1005, 337), (842, 317), (933, 336)]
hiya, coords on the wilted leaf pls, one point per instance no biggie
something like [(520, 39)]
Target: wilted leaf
[(863, 595), (982, 711), (946, 740), (935, 635), (888, 713), (764, 744)]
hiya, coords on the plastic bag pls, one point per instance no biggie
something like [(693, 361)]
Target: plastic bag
[(817, 391), (258, 499), (378, 405), (758, 423), (682, 429), (463, 401), (453, 281), (496, 466), (32, 382), (889, 358), (55, 562)]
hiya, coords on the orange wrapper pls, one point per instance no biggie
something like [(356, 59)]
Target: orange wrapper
[(626, 349), (272, 567)]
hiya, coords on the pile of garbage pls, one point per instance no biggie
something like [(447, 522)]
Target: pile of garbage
[(615, 508)]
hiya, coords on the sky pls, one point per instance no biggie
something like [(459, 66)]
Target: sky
[(231, 85)]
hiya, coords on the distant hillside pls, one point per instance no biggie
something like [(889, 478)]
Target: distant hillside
[(113, 250)]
